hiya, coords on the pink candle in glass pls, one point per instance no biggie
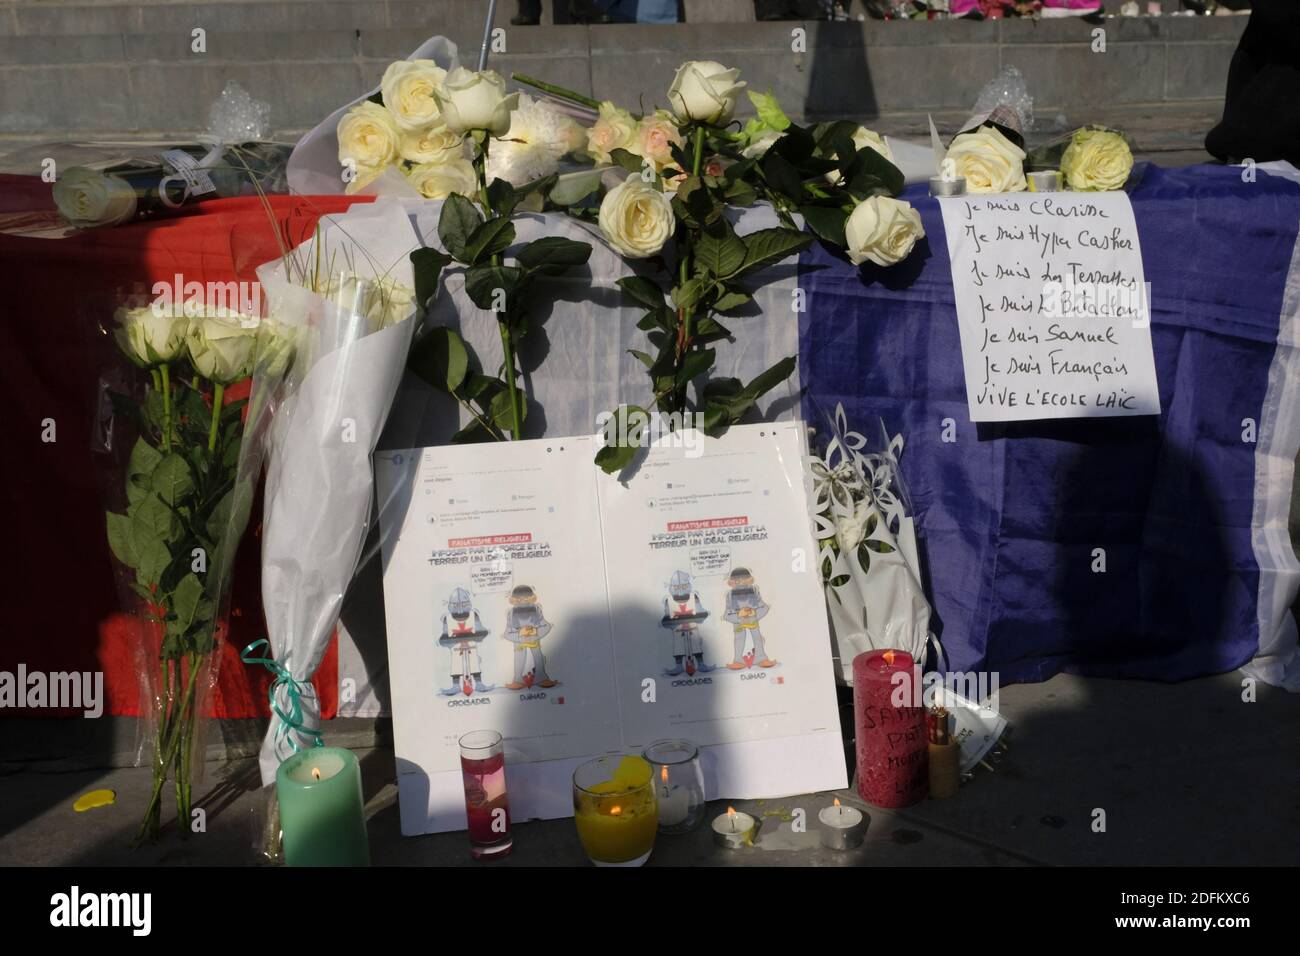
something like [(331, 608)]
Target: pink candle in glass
[(487, 805)]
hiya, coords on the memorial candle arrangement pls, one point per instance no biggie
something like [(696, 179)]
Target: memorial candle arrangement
[(892, 741), (487, 807), (321, 816)]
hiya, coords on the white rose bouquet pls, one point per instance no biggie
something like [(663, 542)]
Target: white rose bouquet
[(176, 535), (682, 173)]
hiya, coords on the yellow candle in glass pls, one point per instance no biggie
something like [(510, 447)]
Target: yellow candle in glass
[(617, 818)]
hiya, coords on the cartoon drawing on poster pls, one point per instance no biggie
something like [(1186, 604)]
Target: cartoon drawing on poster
[(683, 615), (526, 627), (462, 638), (745, 608)]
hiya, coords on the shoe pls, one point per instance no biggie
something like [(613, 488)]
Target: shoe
[(735, 666), (514, 685), (451, 691), (547, 683), (704, 668), (482, 688), (677, 669), (767, 662)]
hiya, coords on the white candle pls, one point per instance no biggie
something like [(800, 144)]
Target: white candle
[(674, 805), (842, 827), (734, 829)]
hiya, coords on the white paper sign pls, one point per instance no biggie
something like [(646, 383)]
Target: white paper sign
[(665, 607), (1052, 306)]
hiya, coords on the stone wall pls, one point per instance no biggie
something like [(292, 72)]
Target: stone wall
[(127, 69)]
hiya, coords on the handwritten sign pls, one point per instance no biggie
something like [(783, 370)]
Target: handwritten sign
[(1052, 305)]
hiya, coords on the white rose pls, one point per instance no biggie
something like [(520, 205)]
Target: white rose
[(882, 230), (761, 145), (435, 145), (152, 334), (472, 101), (636, 219), (382, 301), (864, 138), (408, 89), (1097, 159), (704, 92), (989, 161), (614, 129), (440, 180), (276, 344), (85, 197), (851, 531), (222, 346), (369, 138)]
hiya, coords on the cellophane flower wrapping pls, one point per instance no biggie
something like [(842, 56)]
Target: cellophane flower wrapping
[(171, 428), (345, 300)]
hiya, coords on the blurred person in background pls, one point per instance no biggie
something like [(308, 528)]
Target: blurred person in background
[(1261, 109)]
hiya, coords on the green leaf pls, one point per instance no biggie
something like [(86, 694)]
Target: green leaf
[(689, 293), (827, 222), (781, 175), (185, 601), (552, 255), (489, 239), (629, 161), (152, 558), (119, 541), (457, 223), (870, 174), (719, 250), (645, 358), (709, 329), (482, 283), (660, 318), (769, 246), (769, 110), (427, 264), (172, 480), (643, 290), (440, 358), (499, 409), (740, 193), (614, 458), (694, 363), (730, 300), (144, 459)]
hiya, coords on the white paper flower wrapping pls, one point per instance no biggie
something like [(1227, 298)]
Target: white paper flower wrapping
[(352, 350)]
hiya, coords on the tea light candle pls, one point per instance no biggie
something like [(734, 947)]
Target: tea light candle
[(319, 792), (939, 186), (734, 829), (1044, 181), (842, 827)]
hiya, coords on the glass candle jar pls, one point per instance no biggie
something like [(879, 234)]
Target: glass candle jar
[(487, 807), (679, 784), (615, 810)]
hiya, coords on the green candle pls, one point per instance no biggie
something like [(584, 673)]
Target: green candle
[(321, 809)]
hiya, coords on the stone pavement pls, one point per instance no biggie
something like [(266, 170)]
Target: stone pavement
[(1186, 774)]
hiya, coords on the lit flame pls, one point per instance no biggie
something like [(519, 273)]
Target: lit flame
[(837, 801), (889, 658), (731, 812), (615, 811), (315, 772), (663, 774)]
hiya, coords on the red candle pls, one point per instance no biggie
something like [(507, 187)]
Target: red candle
[(892, 743), (487, 806)]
